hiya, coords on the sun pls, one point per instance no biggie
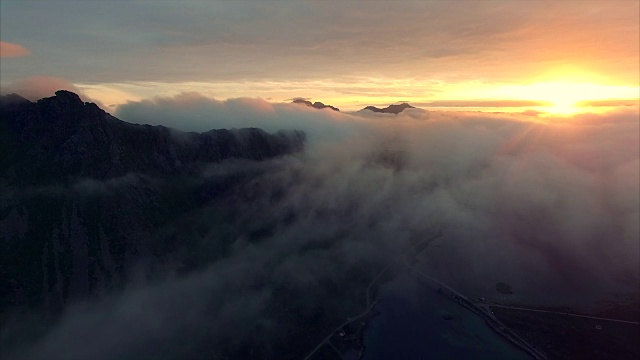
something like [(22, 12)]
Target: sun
[(560, 97), (565, 91), (563, 98)]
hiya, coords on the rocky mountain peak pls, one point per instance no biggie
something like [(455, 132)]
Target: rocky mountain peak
[(317, 104), (68, 96), (63, 101)]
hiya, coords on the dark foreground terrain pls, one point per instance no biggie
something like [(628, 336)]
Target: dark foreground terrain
[(571, 337)]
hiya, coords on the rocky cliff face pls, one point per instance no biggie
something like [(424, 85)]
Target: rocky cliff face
[(86, 198), (61, 138)]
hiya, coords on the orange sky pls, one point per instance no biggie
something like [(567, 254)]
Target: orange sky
[(477, 54)]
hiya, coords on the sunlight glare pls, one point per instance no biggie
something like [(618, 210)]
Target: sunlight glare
[(566, 97)]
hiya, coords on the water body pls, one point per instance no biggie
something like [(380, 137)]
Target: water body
[(411, 326)]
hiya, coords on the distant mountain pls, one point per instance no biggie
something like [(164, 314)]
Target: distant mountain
[(391, 109), (317, 104)]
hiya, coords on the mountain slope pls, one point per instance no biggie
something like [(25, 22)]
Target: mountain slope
[(61, 137), (86, 197)]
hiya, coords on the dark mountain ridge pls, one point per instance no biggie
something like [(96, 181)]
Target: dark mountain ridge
[(62, 137)]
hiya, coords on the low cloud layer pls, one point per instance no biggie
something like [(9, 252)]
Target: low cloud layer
[(556, 188), (550, 207), (195, 112)]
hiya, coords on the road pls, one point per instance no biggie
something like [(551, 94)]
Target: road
[(349, 320), (486, 313), (562, 313), (370, 305)]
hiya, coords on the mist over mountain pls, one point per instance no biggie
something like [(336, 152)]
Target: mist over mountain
[(132, 241), (89, 201), (61, 138), (196, 112)]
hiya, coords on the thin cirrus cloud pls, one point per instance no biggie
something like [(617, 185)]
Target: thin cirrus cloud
[(484, 103), (11, 50)]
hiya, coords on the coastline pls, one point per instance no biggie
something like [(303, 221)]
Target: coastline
[(485, 313), (417, 322)]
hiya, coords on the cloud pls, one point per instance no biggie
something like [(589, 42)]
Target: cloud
[(38, 87), (11, 50), (195, 112), (532, 183), (552, 208), (608, 103), (314, 41)]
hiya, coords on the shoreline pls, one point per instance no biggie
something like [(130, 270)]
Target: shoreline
[(493, 324), (491, 321)]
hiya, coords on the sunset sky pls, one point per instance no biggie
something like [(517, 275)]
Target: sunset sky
[(556, 56)]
